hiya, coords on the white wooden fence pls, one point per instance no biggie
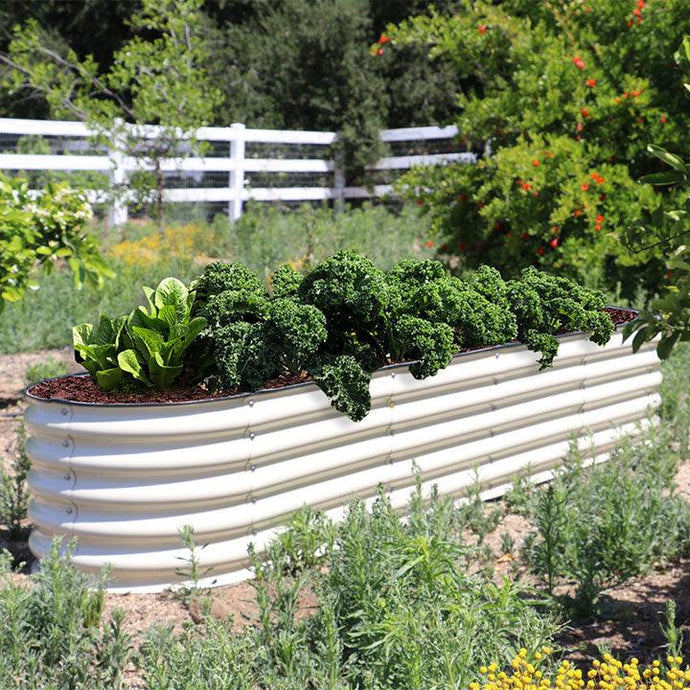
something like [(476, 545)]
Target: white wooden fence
[(229, 155)]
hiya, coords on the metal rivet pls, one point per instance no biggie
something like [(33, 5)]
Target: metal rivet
[(392, 374), (68, 511), (251, 403), (252, 468), (254, 533), (391, 404), (253, 499), (68, 476), (252, 436), (63, 411), (65, 444)]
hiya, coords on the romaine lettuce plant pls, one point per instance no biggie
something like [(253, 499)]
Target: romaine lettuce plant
[(148, 346)]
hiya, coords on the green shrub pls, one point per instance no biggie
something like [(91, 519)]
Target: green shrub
[(42, 230), (52, 634), (14, 492), (396, 609), (559, 100), (598, 527), (46, 369)]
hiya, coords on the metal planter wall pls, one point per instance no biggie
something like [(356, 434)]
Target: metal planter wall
[(123, 479)]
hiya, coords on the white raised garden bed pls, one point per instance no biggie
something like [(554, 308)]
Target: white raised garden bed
[(123, 479)]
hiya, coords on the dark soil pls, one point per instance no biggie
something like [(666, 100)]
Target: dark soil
[(84, 389)]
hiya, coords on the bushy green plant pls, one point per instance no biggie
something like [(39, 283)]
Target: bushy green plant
[(14, 491), (396, 609), (559, 100), (667, 230), (40, 231), (147, 346), (52, 634), (46, 369), (545, 305), (597, 527)]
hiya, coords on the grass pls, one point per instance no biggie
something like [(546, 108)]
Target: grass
[(264, 238)]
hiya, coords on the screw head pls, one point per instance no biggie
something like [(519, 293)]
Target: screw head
[(251, 403), (252, 468), (69, 511), (67, 476), (65, 444), (252, 436), (63, 411)]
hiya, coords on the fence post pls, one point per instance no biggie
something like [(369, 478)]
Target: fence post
[(237, 149), (338, 189), (117, 214)]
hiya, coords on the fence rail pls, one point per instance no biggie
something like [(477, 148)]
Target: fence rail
[(232, 172)]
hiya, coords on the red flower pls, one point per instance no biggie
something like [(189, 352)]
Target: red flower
[(663, 119), (578, 62), (600, 219), (618, 99), (554, 242), (585, 112), (585, 186), (462, 246), (535, 193), (463, 197), (540, 251), (549, 154), (579, 127), (591, 83), (635, 94), (536, 163), (428, 244), (637, 12), (482, 29), (639, 120), (640, 4), (597, 227), (525, 236), (384, 39), (420, 202), (526, 186), (379, 51)]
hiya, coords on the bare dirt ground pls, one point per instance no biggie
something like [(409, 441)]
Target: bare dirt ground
[(634, 612)]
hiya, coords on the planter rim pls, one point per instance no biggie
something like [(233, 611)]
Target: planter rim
[(264, 391)]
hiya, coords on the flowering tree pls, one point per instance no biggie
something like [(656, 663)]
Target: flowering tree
[(561, 99)]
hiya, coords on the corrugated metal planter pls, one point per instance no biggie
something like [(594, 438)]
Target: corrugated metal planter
[(123, 479)]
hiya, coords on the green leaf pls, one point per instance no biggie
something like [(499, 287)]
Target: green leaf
[(665, 346), (663, 178), (109, 379), (148, 341), (128, 362), (171, 292), (161, 374), (671, 159), (81, 334), (641, 337)]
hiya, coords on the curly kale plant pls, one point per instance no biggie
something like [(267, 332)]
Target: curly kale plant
[(545, 305)]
